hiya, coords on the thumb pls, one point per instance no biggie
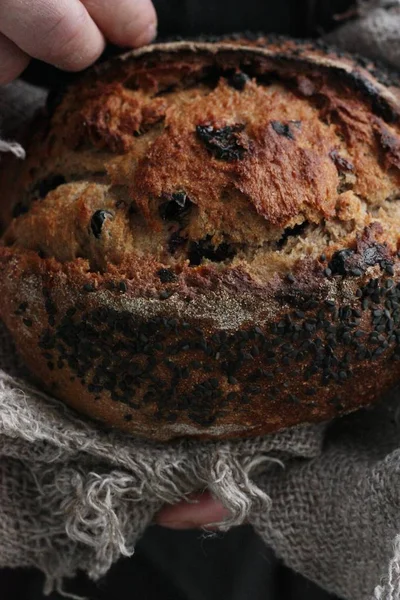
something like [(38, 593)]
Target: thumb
[(199, 512)]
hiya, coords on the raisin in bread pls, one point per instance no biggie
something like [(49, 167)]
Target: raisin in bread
[(203, 240)]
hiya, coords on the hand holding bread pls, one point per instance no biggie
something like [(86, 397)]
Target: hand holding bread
[(69, 34)]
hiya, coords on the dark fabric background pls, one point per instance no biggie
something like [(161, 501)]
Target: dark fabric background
[(172, 565)]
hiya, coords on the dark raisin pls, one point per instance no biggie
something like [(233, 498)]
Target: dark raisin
[(166, 276), (342, 164), (204, 249), (338, 262), (238, 81), (97, 221), (282, 129), (224, 143), (176, 207), (43, 187)]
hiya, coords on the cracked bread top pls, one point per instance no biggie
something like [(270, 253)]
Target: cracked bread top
[(223, 182)]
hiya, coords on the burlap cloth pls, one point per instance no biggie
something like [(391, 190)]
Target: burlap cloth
[(326, 498)]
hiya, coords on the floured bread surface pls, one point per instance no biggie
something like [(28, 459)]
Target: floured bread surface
[(203, 240)]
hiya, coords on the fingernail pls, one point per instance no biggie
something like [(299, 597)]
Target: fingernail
[(147, 35)]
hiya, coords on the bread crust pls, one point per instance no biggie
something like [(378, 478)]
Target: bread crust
[(241, 337)]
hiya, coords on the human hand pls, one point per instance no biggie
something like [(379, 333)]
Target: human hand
[(199, 512), (69, 34)]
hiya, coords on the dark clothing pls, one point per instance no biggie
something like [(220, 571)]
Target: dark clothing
[(182, 565), (299, 18), (172, 565)]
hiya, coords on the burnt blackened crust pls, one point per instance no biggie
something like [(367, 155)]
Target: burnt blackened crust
[(173, 370)]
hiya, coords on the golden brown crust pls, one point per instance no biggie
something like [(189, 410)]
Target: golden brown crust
[(205, 240)]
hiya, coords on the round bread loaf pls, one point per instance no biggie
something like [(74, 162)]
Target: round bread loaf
[(204, 240)]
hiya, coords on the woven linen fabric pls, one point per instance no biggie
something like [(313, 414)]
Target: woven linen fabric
[(375, 33), (326, 498)]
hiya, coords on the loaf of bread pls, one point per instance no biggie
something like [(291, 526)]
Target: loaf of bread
[(203, 240)]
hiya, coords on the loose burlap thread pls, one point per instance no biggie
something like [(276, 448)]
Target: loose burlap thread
[(326, 498)]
